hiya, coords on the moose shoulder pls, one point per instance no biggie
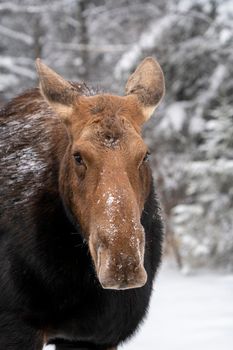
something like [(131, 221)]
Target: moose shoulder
[(80, 231)]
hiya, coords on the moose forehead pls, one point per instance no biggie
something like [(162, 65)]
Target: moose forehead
[(107, 120)]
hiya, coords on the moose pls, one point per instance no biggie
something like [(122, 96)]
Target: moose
[(80, 225)]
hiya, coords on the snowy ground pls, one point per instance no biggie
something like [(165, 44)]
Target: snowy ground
[(188, 312)]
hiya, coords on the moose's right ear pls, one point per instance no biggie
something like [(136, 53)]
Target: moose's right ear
[(58, 92)]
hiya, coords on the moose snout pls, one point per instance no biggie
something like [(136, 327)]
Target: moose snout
[(120, 271)]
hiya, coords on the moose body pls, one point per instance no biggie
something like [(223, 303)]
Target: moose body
[(80, 233)]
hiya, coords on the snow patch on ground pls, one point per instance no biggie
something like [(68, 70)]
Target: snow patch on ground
[(188, 312)]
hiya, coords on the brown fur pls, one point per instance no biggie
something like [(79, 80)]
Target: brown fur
[(113, 181), (110, 145)]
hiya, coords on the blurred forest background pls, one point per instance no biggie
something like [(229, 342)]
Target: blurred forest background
[(190, 136)]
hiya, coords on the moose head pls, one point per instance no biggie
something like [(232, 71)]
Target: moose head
[(105, 178)]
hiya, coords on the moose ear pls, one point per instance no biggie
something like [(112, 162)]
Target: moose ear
[(147, 84), (58, 92)]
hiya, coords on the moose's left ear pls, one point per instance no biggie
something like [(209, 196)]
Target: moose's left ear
[(147, 84)]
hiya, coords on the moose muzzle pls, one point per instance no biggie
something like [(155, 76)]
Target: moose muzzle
[(121, 271), (119, 259)]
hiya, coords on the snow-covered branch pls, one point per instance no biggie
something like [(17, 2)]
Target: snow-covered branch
[(148, 40), (13, 34), (11, 65)]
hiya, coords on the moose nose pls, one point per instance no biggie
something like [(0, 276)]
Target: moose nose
[(123, 272)]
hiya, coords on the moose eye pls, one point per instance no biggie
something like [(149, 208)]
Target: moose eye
[(78, 159), (146, 158)]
